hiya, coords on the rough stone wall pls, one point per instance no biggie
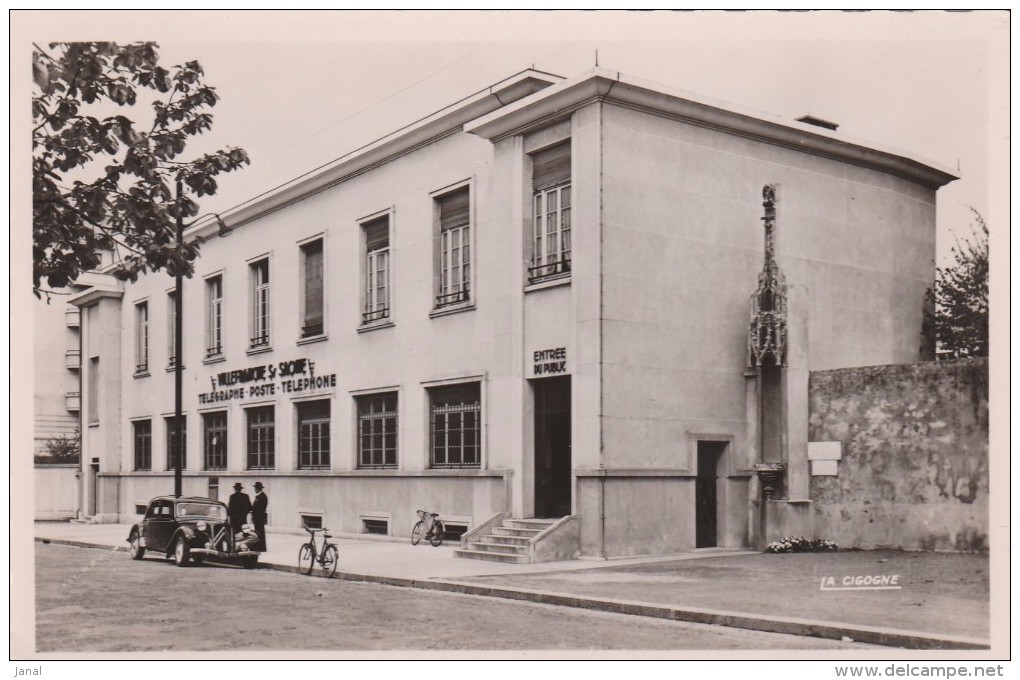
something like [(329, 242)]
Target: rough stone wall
[(914, 468)]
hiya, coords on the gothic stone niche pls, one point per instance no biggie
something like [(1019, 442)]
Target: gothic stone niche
[(766, 333)]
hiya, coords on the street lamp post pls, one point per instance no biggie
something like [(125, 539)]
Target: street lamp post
[(179, 339), (178, 356)]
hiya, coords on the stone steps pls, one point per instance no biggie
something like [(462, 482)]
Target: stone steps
[(508, 542)]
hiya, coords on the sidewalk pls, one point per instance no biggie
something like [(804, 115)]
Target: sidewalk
[(942, 604)]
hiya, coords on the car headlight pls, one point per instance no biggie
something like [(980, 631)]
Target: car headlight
[(201, 526)]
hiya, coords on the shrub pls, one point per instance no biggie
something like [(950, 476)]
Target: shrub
[(799, 544)]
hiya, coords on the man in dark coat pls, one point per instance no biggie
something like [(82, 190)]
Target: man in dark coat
[(259, 515), (238, 508)]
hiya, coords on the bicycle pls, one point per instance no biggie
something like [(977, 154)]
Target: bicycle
[(328, 556), (429, 527)]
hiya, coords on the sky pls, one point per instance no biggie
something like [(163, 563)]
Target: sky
[(299, 89)]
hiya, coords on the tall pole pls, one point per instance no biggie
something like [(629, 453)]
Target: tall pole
[(178, 342)]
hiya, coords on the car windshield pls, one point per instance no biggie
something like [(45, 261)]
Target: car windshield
[(210, 510)]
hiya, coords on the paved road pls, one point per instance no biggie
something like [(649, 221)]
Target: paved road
[(100, 600)]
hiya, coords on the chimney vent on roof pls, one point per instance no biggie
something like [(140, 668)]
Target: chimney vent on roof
[(814, 120)]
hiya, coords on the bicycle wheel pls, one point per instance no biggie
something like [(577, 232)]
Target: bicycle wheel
[(330, 559), (305, 559), (417, 532), (438, 532)]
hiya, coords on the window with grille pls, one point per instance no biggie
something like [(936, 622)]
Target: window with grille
[(455, 430), (171, 442), (377, 431), (261, 438), (142, 430), (454, 247), (313, 435), (215, 426), (377, 270), (142, 337), (312, 304), (171, 324), (550, 244), (260, 304), (214, 317)]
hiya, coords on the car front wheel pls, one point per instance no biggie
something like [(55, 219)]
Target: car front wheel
[(181, 553), (137, 551), (251, 562)]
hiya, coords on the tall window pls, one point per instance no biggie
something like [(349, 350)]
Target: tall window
[(313, 435), (377, 431), (214, 316), (312, 304), (454, 247), (551, 213), (171, 442), (171, 324), (377, 270), (93, 391), (456, 426), (259, 304), (261, 438), (142, 430), (215, 426), (142, 337)]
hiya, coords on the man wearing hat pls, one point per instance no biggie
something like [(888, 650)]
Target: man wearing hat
[(238, 508), (259, 515)]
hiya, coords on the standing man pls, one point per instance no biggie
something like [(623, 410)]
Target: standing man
[(238, 508), (259, 515)]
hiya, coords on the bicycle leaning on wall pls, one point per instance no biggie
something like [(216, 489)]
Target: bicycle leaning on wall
[(429, 527)]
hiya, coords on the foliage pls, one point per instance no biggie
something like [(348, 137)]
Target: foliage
[(960, 298), (61, 449), (110, 183), (799, 544)]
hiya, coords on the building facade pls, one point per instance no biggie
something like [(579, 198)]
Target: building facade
[(534, 303)]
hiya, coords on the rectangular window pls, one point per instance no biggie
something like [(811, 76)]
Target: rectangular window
[(313, 435), (142, 430), (171, 442), (215, 426), (261, 438), (377, 431), (259, 304), (377, 270), (141, 337), (550, 244), (93, 391), (456, 426), (312, 304), (214, 317), (171, 324), (454, 247)]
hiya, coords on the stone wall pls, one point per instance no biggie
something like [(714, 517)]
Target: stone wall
[(914, 445)]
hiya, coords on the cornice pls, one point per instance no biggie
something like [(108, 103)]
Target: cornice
[(601, 85)]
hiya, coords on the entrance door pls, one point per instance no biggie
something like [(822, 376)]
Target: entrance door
[(705, 494), (552, 447), (93, 482)]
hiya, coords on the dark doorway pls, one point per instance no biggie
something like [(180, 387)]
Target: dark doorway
[(93, 482), (706, 495), (552, 447)]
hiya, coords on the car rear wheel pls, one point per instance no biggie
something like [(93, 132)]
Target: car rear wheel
[(137, 551), (181, 553)]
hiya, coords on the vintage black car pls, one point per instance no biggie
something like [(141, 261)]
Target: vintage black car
[(190, 528)]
